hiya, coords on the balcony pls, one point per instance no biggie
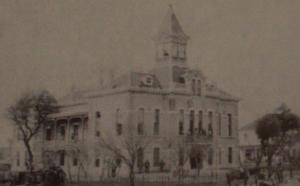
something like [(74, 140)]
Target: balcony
[(198, 137)]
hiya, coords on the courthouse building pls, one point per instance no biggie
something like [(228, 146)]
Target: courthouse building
[(172, 100)]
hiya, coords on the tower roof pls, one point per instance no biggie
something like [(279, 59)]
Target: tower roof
[(171, 26)]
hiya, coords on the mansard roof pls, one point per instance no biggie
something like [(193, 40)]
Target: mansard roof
[(171, 26), (215, 92), (250, 126)]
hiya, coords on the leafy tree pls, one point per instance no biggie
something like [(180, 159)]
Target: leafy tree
[(29, 114), (276, 131)]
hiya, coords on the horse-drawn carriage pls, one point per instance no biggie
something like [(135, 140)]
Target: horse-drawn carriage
[(53, 176), (237, 174), (5, 176)]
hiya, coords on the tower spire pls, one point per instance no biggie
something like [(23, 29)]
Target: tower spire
[(170, 26), (170, 56)]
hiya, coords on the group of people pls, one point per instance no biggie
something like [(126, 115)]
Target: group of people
[(255, 177), (54, 176), (146, 166)]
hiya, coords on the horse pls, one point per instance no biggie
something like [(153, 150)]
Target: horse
[(237, 175)]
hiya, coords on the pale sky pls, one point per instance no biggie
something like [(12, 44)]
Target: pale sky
[(250, 48)]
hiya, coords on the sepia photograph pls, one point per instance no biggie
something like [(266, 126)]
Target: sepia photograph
[(149, 93)]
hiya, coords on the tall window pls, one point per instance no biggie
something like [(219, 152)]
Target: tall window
[(118, 124), (200, 123), (181, 157), (97, 133), (249, 153), (220, 156), (118, 116), (192, 119), (62, 158), (210, 124), (181, 122), (119, 129), (156, 122), (219, 124), (75, 161), (172, 104), (229, 154), (210, 157), (62, 131), (75, 131), (18, 159), (48, 133), (140, 127), (196, 161), (229, 125), (156, 157), (199, 87), (193, 87), (97, 162), (98, 116)]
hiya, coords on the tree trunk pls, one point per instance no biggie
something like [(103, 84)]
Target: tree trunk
[(78, 173), (29, 162), (131, 176), (69, 171), (269, 166), (291, 170)]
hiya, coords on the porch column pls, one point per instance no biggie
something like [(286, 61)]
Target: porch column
[(68, 129), (55, 129)]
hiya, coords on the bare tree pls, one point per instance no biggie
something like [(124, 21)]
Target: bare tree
[(185, 149), (124, 146), (29, 114), (79, 153)]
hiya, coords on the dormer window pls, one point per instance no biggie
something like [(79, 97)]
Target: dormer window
[(165, 52), (98, 114), (181, 80), (175, 50), (181, 51)]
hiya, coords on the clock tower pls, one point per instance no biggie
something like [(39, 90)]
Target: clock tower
[(170, 54)]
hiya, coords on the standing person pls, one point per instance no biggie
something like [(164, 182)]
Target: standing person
[(61, 176), (147, 166), (161, 165)]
